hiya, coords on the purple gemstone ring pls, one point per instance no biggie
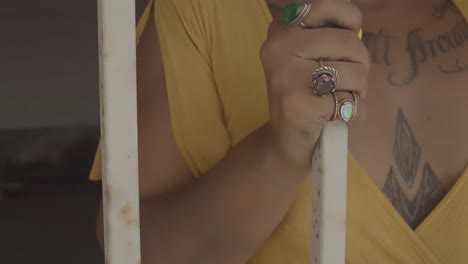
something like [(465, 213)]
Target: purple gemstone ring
[(325, 80)]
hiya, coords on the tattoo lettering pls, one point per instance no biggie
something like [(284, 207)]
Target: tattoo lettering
[(414, 202), (418, 51), (378, 43), (417, 55), (441, 8)]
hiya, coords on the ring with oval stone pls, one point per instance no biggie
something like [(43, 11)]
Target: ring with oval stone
[(347, 109), (325, 79), (294, 13)]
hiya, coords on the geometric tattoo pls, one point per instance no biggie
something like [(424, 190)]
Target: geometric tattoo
[(406, 150), (413, 201)]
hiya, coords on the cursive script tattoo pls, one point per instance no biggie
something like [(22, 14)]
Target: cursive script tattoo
[(378, 45), (418, 51), (412, 194), (442, 7)]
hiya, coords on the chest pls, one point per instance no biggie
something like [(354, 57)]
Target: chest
[(413, 142), (416, 108)]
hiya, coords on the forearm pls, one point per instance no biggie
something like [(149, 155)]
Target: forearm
[(227, 214)]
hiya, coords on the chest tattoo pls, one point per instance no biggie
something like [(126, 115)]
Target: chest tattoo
[(418, 50), (411, 186)]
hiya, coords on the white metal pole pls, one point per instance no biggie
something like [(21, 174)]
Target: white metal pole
[(117, 54), (329, 188)]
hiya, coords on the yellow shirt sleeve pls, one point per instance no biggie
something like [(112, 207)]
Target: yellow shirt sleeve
[(196, 109)]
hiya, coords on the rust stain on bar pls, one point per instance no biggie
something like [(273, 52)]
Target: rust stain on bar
[(127, 216)]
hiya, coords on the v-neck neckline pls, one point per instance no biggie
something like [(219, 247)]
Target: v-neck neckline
[(417, 236), (387, 209), (441, 206)]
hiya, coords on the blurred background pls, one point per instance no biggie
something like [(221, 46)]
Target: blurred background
[(49, 129)]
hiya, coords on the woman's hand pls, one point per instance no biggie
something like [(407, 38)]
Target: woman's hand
[(291, 55)]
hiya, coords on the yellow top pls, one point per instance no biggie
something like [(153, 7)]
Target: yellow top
[(217, 96)]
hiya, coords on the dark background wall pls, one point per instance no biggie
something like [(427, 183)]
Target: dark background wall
[(49, 63), (48, 69), (49, 126)]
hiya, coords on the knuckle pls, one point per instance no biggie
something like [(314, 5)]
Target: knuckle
[(274, 28), (265, 50), (356, 16), (269, 48)]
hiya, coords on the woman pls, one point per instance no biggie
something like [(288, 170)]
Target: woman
[(226, 135)]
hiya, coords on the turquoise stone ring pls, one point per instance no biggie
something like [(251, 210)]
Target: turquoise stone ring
[(294, 13)]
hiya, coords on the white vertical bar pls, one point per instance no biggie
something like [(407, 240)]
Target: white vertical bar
[(329, 188), (117, 54)]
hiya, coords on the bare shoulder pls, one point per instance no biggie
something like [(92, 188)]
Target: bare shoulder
[(162, 166)]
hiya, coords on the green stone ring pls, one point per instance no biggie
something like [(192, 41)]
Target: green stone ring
[(294, 13), (347, 109)]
